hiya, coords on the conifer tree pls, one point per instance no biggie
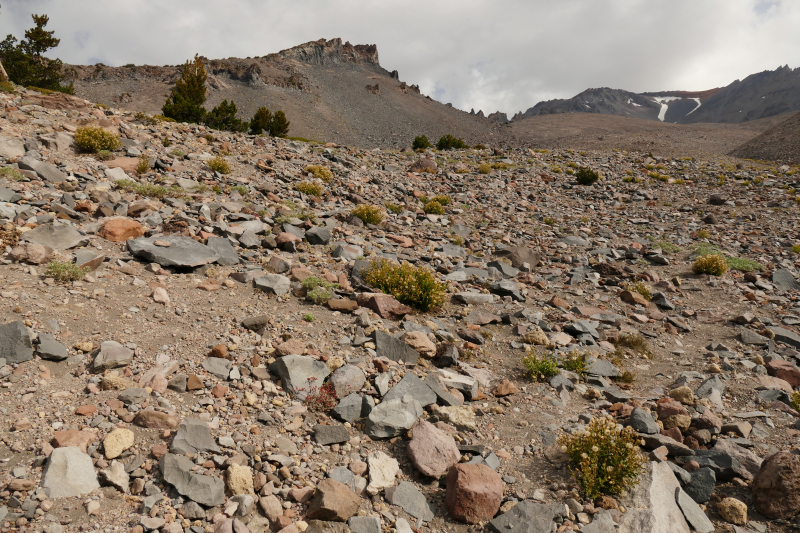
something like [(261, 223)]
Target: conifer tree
[(185, 104), (25, 63), (223, 117), (261, 121), (280, 125)]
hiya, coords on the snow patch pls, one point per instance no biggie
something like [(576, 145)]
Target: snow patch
[(631, 102), (662, 100), (696, 108)]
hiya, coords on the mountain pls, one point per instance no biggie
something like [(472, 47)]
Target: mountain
[(758, 96), (780, 143), (330, 91)]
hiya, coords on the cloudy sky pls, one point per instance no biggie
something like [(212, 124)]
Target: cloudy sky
[(491, 55)]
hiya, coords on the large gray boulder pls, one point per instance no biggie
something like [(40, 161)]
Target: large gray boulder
[(45, 170), (57, 236), (112, 355), (193, 436), (273, 283), (50, 349), (205, 490), (182, 252), (69, 472), (651, 505), (299, 374), (227, 253), (393, 417), (11, 147), (15, 343)]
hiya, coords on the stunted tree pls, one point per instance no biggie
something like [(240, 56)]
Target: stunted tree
[(185, 104), (25, 63), (223, 117), (280, 125), (261, 121)]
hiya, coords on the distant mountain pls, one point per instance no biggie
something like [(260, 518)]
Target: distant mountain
[(780, 143), (761, 95)]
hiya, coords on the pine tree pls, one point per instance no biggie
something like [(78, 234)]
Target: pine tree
[(223, 117), (280, 125), (25, 63), (185, 104), (261, 121)]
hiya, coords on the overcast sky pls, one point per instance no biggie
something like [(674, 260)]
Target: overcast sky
[(492, 55)]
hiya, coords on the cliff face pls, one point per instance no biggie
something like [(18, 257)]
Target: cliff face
[(324, 52)]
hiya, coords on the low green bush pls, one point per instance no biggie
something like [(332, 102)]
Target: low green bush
[(91, 139), (369, 214), (433, 208), (320, 172), (450, 142), (63, 271), (421, 143), (413, 286), (712, 264), (309, 188), (586, 176), (539, 368), (219, 164)]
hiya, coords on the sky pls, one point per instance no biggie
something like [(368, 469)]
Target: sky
[(502, 55)]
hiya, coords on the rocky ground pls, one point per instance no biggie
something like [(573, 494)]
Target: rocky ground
[(187, 383)]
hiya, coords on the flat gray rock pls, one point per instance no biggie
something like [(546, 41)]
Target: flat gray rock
[(364, 524), (273, 283), (296, 373), (205, 490), (58, 237), (527, 517), (133, 395), (327, 435), (785, 280), (643, 422), (182, 252), (50, 349), (112, 355), (600, 367), (602, 522), (393, 348), (318, 235), (347, 379), (391, 418), (15, 343), (69, 472), (786, 336), (407, 496), (694, 515), (750, 337), (352, 407), (47, 171), (413, 386), (520, 255), (651, 505), (225, 250), (193, 436), (11, 147), (218, 366)]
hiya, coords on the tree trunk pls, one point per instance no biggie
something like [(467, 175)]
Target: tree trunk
[(3, 74)]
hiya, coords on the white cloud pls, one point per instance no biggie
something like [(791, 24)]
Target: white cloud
[(478, 54)]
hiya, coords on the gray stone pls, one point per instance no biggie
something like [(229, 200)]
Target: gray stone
[(193, 436), (701, 485), (117, 476), (749, 463), (347, 251), (47, 171), (784, 280), (527, 517), (255, 323), (351, 408), (786, 336), (643, 422), (695, 516), (218, 366), (413, 502), (182, 252), (58, 237), (296, 373), (573, 240), (50, 349), (651, 505), (69, 472), (225, 250), (392, 418), (327, 435), (600, 367), (178, 383), (343, 475), (505, 269), (519, 255), (364, 524), (347, 379), (133, 395), (712, 384), (205, 490), (273, 284), (506, 287), (193, 511), (393, 348), (11, 147), (249, 239), (602, 522), (15, 343), (318, 235), (454, 251), (112, 355), (412, 386), (752, 338), (474, 298)]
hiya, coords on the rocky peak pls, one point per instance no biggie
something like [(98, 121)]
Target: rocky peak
[(324, 52)]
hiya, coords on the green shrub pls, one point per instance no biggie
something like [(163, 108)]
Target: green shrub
[(218, 164), (603, 458), (392, 208), (414, 286), (261, 121), (319, 295), (640, 287), (479, 147), (185, 103), (369, 214), (421, 143), (576, 361), (223, 118), (318, 290), (310, 188), (796, 248), (64, 271), (320, 172), (795, 400), (308, 317), (703, 234), (11, 173), (666, 247), (442, 199), (635, 342), (743, 265), (150, 190), (241, 189), (539, 368), (449, 142), (586, 176), (143, 165), (712, 264), (484, 169), (91, 139), (433, 208)]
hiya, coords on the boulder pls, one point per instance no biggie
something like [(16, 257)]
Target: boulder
[(239, 479), (273, 284), (411, 500), (776, 487), (733, 511), (50, 349), (347, 379), (59, 237), (69, 472), (474, 493), (651, 506), (29, 252), (528, 517), (299, 373), (386, 306), (193, 436), (432, 451), (394, 348), (181, 252), (393, 417), (15, 343), (121, 229), (112, 355), (205, 490), (382, 472), (333, 501), (117, 442)]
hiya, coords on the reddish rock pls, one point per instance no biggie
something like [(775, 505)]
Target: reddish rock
[(667, 407), (284, 238), (21, 484), (157, 382), (159, 451), (209, 285), (121, 229), (774, 383), (291, 347), (299, 274), (633, 298), (342, 305), (505, 388), (36, 254), (72, 437), (708, 420), (776, 487), (333, 501), (384, 305), (431, 451), (559, 302), (155, 420), (784, 370), (86, 410), (194, 383), (301, 495), (474, 493), (220, 350), (404, 242), (219, 391)]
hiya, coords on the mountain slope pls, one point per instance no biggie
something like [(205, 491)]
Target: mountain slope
[(331, 91), (779, 143)]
